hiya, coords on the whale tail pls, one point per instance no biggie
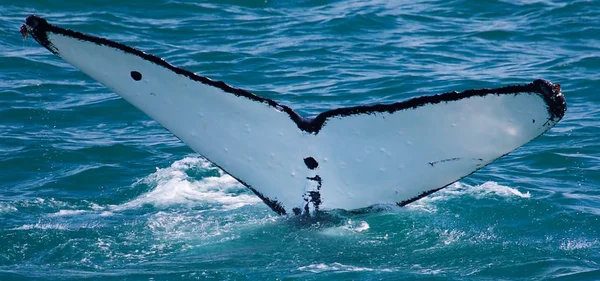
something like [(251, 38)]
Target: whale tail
[(345, 158)]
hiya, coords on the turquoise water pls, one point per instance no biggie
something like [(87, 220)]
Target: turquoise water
[(91, 188)]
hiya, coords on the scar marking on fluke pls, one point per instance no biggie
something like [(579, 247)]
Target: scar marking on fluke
[(318, 179), (311, 163), (444, 161), (314, 196), (433, 163)]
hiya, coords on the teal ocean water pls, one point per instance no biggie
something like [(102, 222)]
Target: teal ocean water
[(93, 189)]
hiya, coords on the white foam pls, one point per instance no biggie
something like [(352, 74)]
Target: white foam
[(451, 236), (63, 213), (335, 267), (7, 208), (46, 202), (52, 224), (485, 190), (106, 214), (172, 186), (493, 188), (96, 207), (174, 226), (40, 225), (341, 268), (578, 244), (349, 228), (426, 271), (360, 227), (201, 227)]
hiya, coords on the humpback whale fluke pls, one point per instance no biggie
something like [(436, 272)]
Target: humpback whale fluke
[(347, 158)]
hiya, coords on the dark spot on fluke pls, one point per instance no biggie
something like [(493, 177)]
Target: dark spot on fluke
[(311, 163), (136, 75)]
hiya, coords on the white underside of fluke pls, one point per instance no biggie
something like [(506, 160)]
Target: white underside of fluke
[(362, 159)]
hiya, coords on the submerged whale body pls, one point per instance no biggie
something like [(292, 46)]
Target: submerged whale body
[(346, 158)]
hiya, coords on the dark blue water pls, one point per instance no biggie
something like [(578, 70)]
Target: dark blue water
[(91, 188)]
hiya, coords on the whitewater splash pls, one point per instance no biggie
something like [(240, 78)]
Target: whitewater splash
[(6, 207), (488, 189), (173, 186), (339, 268)]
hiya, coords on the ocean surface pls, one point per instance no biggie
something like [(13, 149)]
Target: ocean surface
[(93, 189)]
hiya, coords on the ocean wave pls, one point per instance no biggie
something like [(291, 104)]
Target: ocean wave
[(488, 189), (338, 267), (578, 244), (350, 227), (41, 225), (63, 213), (173, 186), (7, 207)]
